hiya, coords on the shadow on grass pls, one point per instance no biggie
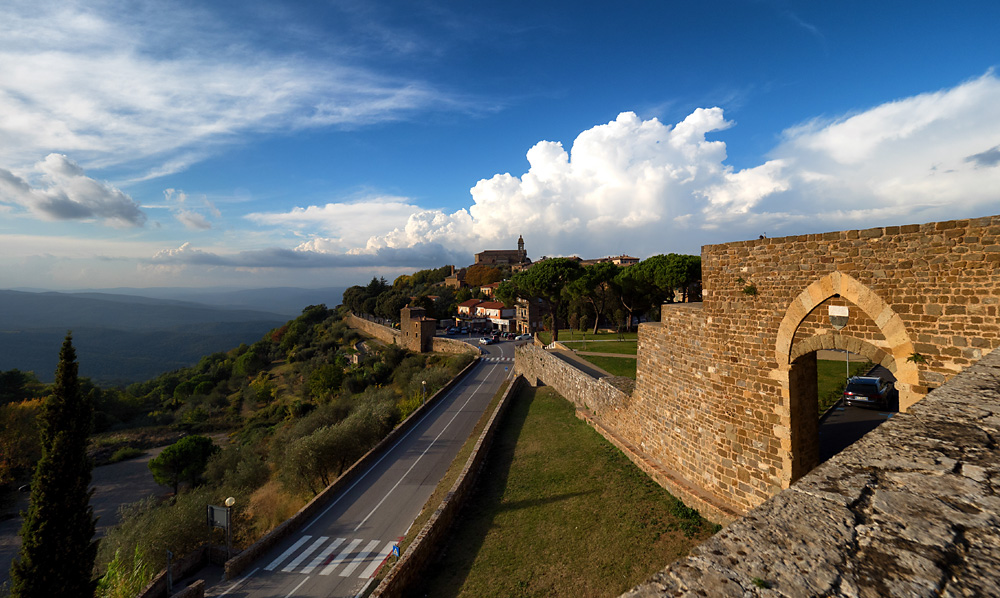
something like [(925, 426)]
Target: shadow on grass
[(483, 505)]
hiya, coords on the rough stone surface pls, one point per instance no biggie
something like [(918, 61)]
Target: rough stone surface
[(911, 509)]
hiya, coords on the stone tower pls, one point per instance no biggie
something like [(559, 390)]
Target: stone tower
[(417, 329)]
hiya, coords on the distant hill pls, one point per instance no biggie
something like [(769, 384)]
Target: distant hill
[(120, 338), (287, 301)]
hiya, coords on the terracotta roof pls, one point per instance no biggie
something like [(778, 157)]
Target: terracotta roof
[(470, 303), (491, 305)]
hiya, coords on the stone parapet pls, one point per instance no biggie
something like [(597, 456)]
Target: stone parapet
[(385, 334), (595, 394), (909, 510)]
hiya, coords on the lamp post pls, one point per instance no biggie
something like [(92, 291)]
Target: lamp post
[(423, 383), (229, 527), (838, 319)]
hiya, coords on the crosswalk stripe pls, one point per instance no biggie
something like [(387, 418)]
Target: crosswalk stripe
[(340, 558), (319, 560), (287, 553), (370, 570), (361, 557), (305, 554)]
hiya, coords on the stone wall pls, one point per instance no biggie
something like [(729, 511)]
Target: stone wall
[(911, 509), (441, 344), (385, 334), (722, 391), (538, 365)]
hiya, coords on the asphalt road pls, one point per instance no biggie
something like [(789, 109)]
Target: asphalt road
[(845, 425), (337, 552)]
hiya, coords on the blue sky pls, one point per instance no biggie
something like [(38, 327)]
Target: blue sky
[(318, 143)]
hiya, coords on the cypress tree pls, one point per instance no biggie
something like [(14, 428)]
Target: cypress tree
[(57, 538)]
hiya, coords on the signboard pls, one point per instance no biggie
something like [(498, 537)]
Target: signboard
[(838, 316), (218, 516)]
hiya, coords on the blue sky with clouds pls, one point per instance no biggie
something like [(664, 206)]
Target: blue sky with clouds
[(318, 143)]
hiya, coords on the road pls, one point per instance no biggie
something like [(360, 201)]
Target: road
[(337, 552), (845, 425)]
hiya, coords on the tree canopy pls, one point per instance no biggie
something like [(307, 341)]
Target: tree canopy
[(547, 280), (183, 461), (58, 547)]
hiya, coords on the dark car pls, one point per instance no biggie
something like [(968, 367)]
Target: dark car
[(867, 391)]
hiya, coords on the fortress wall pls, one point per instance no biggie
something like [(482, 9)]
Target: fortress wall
[(909, 510), (717, 393), (383, 333), (538, 365)]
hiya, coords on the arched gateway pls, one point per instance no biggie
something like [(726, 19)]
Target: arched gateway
[(724, 402), (797, 359)]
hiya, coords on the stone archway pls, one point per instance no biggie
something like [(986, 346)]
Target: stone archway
[(797, 362)]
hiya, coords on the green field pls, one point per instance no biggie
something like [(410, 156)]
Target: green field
[(567, 334), (560, 512), (616, 366), (622, 347)]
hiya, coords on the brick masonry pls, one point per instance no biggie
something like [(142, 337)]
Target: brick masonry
[(725, 390), (911, 509)]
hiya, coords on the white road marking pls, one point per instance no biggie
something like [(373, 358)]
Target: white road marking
[(371, 467), (305, 554), (361, 557), (370, 570), (340, 558), (323, 555), (240, 582), (429, 446), (287, 553), (289, 595)]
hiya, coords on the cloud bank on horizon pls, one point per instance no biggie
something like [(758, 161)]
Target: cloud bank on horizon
[(638, 185)]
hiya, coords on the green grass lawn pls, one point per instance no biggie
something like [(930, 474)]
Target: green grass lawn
[(567, 334), (559, 511), (616, 366), (623, 347)]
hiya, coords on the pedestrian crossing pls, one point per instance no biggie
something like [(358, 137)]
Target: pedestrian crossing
[(331, 555), (499, 359)]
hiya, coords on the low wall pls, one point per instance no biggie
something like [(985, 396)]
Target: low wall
[(432, 537), (157, 587), (594, 394), (239, 563), (911, 509), (382, 333)]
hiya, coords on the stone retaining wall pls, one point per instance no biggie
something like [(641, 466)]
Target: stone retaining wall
[(911, 509), (392, 336), (239, 563), (387, 335), (432, 537), (595, 394), (201, 556)]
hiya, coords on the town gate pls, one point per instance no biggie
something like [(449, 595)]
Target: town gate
[(725, 398)]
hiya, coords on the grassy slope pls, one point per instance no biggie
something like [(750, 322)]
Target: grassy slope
[(616, 366), (560, 511)]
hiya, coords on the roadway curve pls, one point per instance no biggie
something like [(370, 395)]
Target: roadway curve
[(337, 552)]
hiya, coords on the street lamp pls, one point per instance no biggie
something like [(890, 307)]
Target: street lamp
[(229, 527), (423, 383), (838, 319)]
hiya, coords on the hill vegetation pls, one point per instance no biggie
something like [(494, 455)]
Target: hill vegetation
[(298, 406)]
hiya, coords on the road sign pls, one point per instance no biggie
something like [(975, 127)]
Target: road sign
[(838, 316), (218, 516), (395, 550)]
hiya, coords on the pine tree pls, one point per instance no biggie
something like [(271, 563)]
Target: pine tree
[(58, 547)]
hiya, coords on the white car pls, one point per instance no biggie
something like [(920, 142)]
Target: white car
[(486, 341), (523, 337)]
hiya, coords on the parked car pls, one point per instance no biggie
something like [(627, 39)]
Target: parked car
[(524, 337), (464, 330), (453, 330), (867, 391), (486, 341)]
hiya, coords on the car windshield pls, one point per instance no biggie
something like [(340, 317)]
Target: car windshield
[(862, 387)]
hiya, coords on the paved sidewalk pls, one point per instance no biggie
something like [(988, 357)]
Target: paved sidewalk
[(580, 363)]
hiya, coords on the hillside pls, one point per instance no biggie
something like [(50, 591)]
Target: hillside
[(121, 338)]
